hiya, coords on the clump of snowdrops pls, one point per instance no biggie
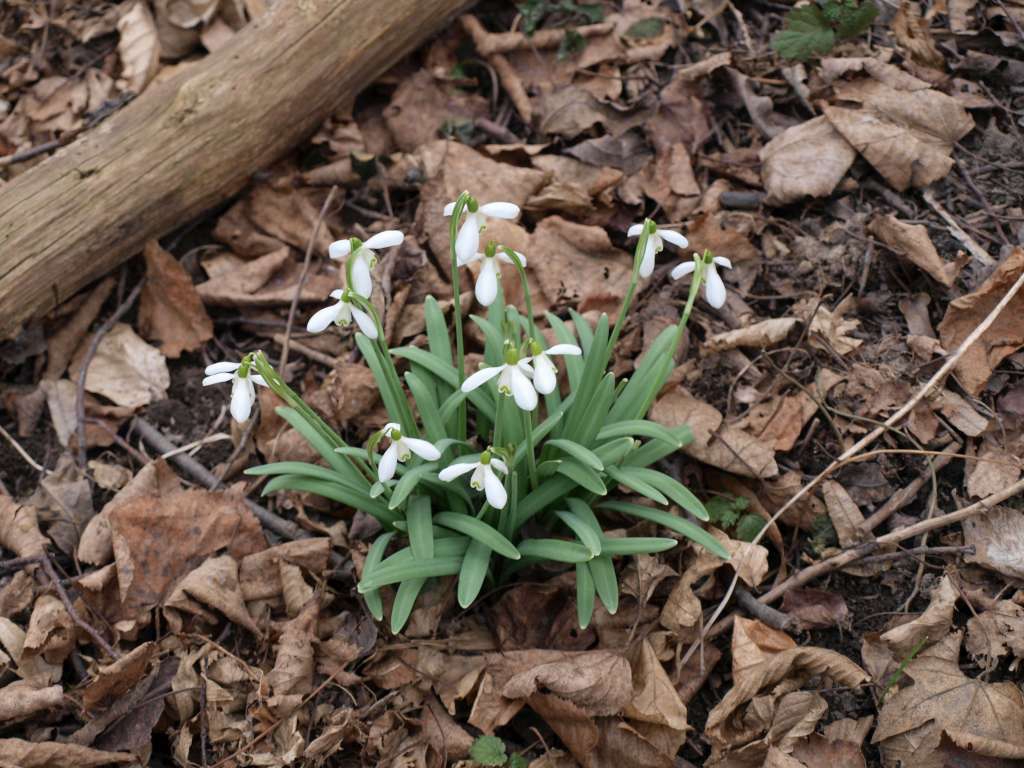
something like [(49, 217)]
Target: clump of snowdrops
[(478, 476)]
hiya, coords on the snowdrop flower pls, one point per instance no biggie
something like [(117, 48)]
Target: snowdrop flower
[(401, 449), (243, 393), (513, 380), (714, 288), (545, 374), (363, 257), (655, 244), (483, 478), (467, 242), (486, 289), (342, 313)]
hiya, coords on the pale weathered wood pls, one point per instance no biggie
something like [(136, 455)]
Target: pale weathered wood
[(189, 143)]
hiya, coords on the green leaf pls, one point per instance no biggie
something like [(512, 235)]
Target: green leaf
[(616, 450), (578, 452), (600, 403), (373, 558), (629, 477), (594, 360), (488, 750), (573, 44), (426, 406), (749, 526), (539, 499), (394, 401), (342, 494), (646, 380), (588, 537), (454, 546), (585, 593), (636, 545), (673, 522), (559, 550), (573, 363), (640, 428), (583, 331), (605, 581), (724, 511), (583, 476), (480, 397), (437, 330), (421, 529), (655, 450), (414, 569), (479, 531), (474, 569), (407, 483), (855, 19), (806, 33), (646, 28), (405, 599), (672, 488), (316, 440), (493, 337)]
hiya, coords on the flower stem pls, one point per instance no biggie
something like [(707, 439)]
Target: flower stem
[(460, 351), (634, 281), (498, 408), (531, 461), (526, 291)]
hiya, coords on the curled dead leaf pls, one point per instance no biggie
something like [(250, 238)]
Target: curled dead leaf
[(912, 242), (809, 159), (170, 310), (139, 47)]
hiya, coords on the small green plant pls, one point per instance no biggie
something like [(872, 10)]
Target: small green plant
[(542, 478), (490, 750), (813, 29)]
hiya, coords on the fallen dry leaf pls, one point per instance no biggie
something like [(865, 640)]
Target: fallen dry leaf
[(139, 47), (779, 421), (19, 528), (914, 35), (998, 540), (61, 346), (53, 754), (911, 241), (114, 680), (996, 632), (831, 329), (170, 310), (930, 627), (816, 608), (260, 574), (51, 632), (268, 280), (809, 159), (766, 333), (293, 666), (421, 107), (986, 718), (844, 513), (125, 370), (213, 584), (1004, 337), (22, 699), (31, 668), (997, 466)]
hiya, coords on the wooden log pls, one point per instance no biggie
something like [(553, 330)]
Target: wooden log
[(189, 143)]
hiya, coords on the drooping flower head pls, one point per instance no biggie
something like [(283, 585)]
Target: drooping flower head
[(483, 478), (362, 257), (467, 241), (243, 393), (514, 380), (401, 449), (342, 313), (655, 244), (545, 373), (486, 289), (714, 286)]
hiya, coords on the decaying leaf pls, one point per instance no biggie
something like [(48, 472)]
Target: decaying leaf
[(19, 528), (913, 243), (1004, 337), (138, 47), (809, 159), (268, 280), (213, 584), (766, 333), (998, 540), (780, 420), (22, 699), (293, 667), (170, 310), (815, 608), (51, 632), (930, 627), (125, 370), (996, 632)]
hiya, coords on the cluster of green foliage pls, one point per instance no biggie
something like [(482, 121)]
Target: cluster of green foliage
[(490, 750), (814, 29)]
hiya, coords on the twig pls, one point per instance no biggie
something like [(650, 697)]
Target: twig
[(284, 528), (87, 361), (899, 554), (905, 495), (189, 447), (488, 43), (22, 452), (302, 279), (308, 351), (865, 441), (51, 573), (979, 253), (762, 612)]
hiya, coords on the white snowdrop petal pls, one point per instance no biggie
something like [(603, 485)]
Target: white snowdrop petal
[(499, 465), (487, 283), (362, 282), (476, 480), (365, 323), (564, 349), (241, 400), (497, 496), (481, 377), (389, 238), (391, 425), (723, 262), (222, 368), (422, 448), (467, 241), (323, 319), (647, 262), (544, 375), (500, 210), (714, 289), (673, 237), (337, 294), (255, 378), (681, 270), (506, 259), (522, 389), (449, 209), (634, 230), (388, 463), (218, 378), (452, 471), (469, 259), (339, 249)]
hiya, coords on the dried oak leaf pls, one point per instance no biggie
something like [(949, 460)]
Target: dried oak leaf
[(779, 420), (31, 668), (1004, 337), (912, 242), (998, 540), (809, 159), (570, 111), (125, 370), (138, 48), (266, 281), (995, 632), (997, 466), (930, 627), (259, 573), (54, 754), (170, 310), (213, 584), (51, 632), (907, 135), (764, 334), (986, 718)]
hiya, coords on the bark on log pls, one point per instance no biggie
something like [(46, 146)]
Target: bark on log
[(189, 143)]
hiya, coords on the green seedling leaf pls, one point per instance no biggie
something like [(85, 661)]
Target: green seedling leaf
[(749, 526), (636, 545), (578, 452), (807, 33), (646, 28), (488, 750), (585, 532), (421, 529), (673, 522)]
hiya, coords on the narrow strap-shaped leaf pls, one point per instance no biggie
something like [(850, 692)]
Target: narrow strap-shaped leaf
[(342, 494), (573, 363), (473, 572), (645, 379), (559, 550), (580, 453), (405, 599), (606, 582), (584, 594), (426, 405), (373, 558), (408, 481), (583, 330), (636, 545), (543, 429), (582, 510), (421, 531), (639, 428), (615, 450), (493, 338), (588, 537), (394, 399), (479, 531), (481, 398), (583, 476), (414, 569), (547, 492), (655, 450), (672, 488), (673, 522), (437, 330), (443, 547), (602, 400), (593, 371), (628, 477), (320, 445), (306, 470)]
